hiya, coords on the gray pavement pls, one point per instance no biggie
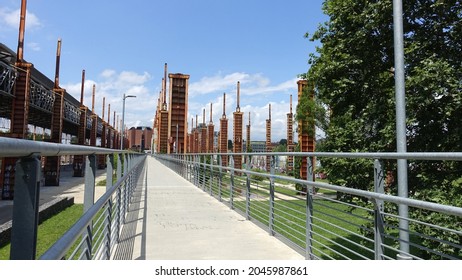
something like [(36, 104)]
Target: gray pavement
[(173, 219)]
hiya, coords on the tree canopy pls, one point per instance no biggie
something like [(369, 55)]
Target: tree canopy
[(354, 77)]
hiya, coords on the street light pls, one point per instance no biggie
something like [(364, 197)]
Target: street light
[(123, 121)]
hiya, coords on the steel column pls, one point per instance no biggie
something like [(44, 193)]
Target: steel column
[(25, 209), (247, 196), (379, 182), (231, 190), (400, 96), (309, 209), (271, 199), (90, 176)]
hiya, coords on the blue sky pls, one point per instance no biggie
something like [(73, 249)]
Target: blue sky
[(123, 45)]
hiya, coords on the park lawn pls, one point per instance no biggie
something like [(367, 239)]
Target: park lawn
[(50, 230)]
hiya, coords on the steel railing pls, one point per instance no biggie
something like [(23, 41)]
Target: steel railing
[(313, 218), (96, 233)]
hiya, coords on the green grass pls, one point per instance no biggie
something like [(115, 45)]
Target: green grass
[(51, 230), (327, 240)]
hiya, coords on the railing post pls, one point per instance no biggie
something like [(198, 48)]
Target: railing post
[(247, 196), (109, 174), (25, 209), (379, 182), (204, 170), (90, 176), (271, 199), (109, 171), (89, 200), (211, 175), (231, 187), (196, 171), (309, 209), (190, 168), (220, 177), (119, 166)]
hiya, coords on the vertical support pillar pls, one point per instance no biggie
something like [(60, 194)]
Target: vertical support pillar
[(109, 171), (309, 209), (204, 171), (379, 182), (88, 200), (211, 175), (26, 209), (90, 176), (401, 142), (231, 188), (247, 192), (271, 198), (220, 177)]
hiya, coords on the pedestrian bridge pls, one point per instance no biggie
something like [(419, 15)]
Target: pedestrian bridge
[(192, 207)]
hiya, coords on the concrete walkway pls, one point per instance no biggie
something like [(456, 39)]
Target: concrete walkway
[(172, 219)]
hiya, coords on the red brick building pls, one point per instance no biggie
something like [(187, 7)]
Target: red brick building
[(140, 138)]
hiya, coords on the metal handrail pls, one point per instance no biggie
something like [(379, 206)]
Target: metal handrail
[(257, 209), (60, 248), (28, 174), (11, 147)]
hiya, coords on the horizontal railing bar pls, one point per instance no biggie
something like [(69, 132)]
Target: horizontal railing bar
[(57, 250), (11, 147), (457, 156)]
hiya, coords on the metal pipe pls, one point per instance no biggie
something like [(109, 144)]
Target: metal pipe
[(82, 88), (22, 29), (224, 105), (93, 99), (58, 59), (238, 108), (400, 97)]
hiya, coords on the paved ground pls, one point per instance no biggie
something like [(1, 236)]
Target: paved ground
[(172, 219), (69, 186)]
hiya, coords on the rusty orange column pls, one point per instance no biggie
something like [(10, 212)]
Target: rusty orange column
[(210, 133), (306, 141), (52, 164), (223, 139), (290, 139), (79, 162), (237, 131), (102, 158)]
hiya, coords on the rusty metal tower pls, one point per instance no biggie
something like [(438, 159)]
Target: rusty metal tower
[(210, 133), (268, 139), (223, 139), (237, 131), (203, 133), (163, 127), (178, 110), (248, 146), (52, 164), (79, 161), (306, 141), (196, 147), (290, 139)]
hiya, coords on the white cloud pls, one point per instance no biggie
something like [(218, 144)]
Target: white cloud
[(11, 19), (251, 84), (113, 85), (33, 46)]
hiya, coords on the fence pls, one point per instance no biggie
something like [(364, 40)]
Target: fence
[(96, 233), (313, 218)]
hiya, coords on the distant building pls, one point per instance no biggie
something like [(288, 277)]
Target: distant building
[(140, 138)]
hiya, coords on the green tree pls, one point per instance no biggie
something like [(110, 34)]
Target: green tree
[(353, 76)]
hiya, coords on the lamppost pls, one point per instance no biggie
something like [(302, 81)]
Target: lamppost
[(123, 121)]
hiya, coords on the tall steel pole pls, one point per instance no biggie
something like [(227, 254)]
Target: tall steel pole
[(123, 120), (401, 147)]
